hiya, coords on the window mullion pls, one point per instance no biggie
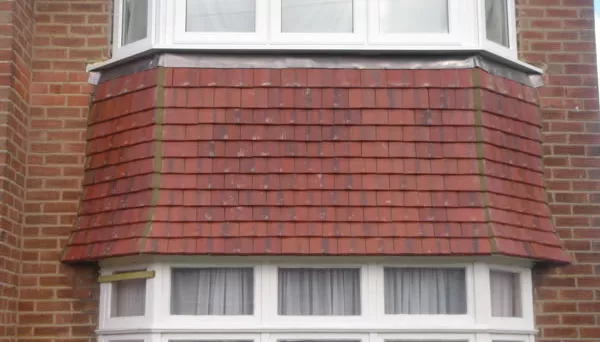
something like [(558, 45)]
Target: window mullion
[(527, 297), (269, 293), (482, 295), (159, 303)]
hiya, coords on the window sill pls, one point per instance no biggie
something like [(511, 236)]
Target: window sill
[(225, 57)]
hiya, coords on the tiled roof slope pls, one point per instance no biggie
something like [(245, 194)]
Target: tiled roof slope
[(314, 162)]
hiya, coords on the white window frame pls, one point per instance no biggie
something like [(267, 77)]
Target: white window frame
[(493, 47), (122, 51), (372, 324), (526, 293), (167, 30), (125, 322)]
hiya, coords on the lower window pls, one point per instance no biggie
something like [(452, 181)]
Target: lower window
[(364, 301)]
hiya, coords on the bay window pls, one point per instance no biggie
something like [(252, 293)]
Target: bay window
[(335, 299), (315, 25)]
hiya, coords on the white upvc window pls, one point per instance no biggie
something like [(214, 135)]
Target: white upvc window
[(133, 27), (499, 26), (304, 299), (315, 25)]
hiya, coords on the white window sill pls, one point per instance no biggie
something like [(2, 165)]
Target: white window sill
[(289, 50)]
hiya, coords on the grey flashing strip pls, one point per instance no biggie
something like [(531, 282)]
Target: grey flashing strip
[(506, 69)]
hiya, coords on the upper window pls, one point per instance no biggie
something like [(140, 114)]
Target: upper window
[(506, 294), (128, 298), (212, 291), (315, 25), (423, 16), (315, 291), (220, 16), (434, 291), (496, 22), (135, 21)]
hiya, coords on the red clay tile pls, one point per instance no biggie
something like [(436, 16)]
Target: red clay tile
[(314, 162)]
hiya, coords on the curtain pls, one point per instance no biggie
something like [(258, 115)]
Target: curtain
[(324, 292), (135, 20), (129, 298), (425, 291), (411, 16), (496, 21), (221, 16), (506, 299), (212, 291), (317, 16)]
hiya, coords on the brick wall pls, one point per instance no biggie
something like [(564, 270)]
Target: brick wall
[(57, 301), (560, 34), (15, 59)]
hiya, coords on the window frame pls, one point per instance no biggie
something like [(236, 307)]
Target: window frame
[(120, 51), (372, 321), (106, 296), (166, 33), (526, 289), (509, 52)]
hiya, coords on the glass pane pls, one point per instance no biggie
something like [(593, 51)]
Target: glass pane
[(135, 21), (319, 291), (496, 21), (221, 16), (425, 341), (317, 16), (305, 340), (506, 294), (128, 298), (212, 291), (210, 341), (410, 16), (432, 291)]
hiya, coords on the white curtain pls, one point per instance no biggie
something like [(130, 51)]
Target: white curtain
[(425, 291), (496, 21), (212, 291), (221, 16), (317, 16), (135, 20), (323, 292), (413, 16), (129, 298), (506, 290)]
